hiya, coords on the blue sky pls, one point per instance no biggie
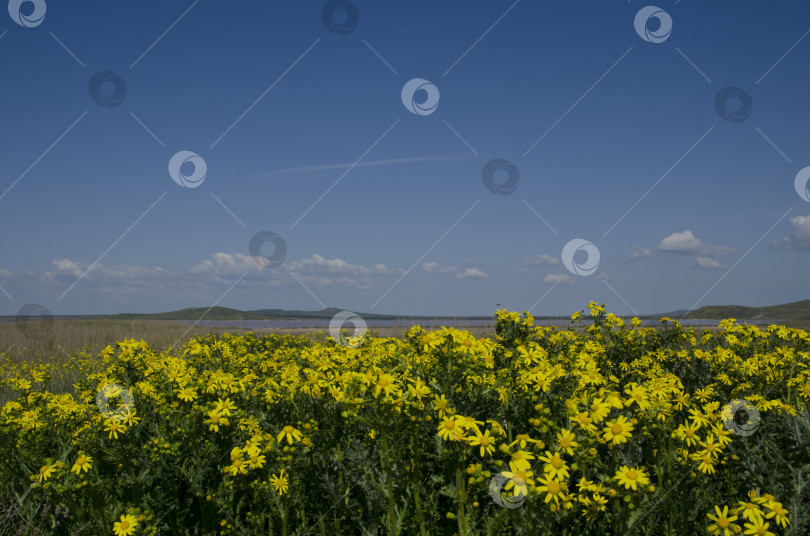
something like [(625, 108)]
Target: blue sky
[(304, 132)]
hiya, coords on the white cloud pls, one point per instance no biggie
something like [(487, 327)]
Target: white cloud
[(558, 278), (68, 270), (800, 239), (436, 268), (318, 264), (67, 267), (542, 260), (708, 263), (684, 242), (471, 273), (6, 273), (227, 264), (801, 227), (641, 252), (220, 269)]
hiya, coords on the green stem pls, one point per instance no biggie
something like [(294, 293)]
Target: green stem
[(416, 461), (612, 471), (508, 421), (615, 501), (669, 473), (286, 515), (658, 470), (389, 482), (340, 483), (462, 496)]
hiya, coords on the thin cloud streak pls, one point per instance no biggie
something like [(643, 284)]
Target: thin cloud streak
[(389, 161)]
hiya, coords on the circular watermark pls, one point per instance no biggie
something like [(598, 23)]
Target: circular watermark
[(427, 100), (733, 104), (22, 14), (741, 417), (114, 401), (279, 249), (340, 16), (34, 321), (506, 185), (801, 183), (338, 323), (585, 267), (107, 89), (188, 169), (503, 498), (653, 24)]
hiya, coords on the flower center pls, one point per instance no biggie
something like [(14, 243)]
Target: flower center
[(631, 474), (557, 462), (617, 429)]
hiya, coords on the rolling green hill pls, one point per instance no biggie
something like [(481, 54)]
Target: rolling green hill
[(799, 310), (796, 311), (194, 313)]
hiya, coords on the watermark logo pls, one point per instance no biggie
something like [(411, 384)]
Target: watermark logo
[(653, 24), (741, 417), (503, 498), (279, 249), (34, 321), (107, 89), (188, 169), (340, 16), (505, 186), (801, 183), (733, 104), (427, 93), (114, 401), (337, 326), (585, 267), (27, 13)]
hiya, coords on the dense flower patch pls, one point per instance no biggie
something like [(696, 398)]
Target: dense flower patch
[(599, 429)]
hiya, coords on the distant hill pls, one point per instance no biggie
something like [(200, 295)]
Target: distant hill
[(224, 313), (796, 311), (194, 313), (799, 310)]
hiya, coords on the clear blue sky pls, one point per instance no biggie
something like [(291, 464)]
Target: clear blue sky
[(617, 140)]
